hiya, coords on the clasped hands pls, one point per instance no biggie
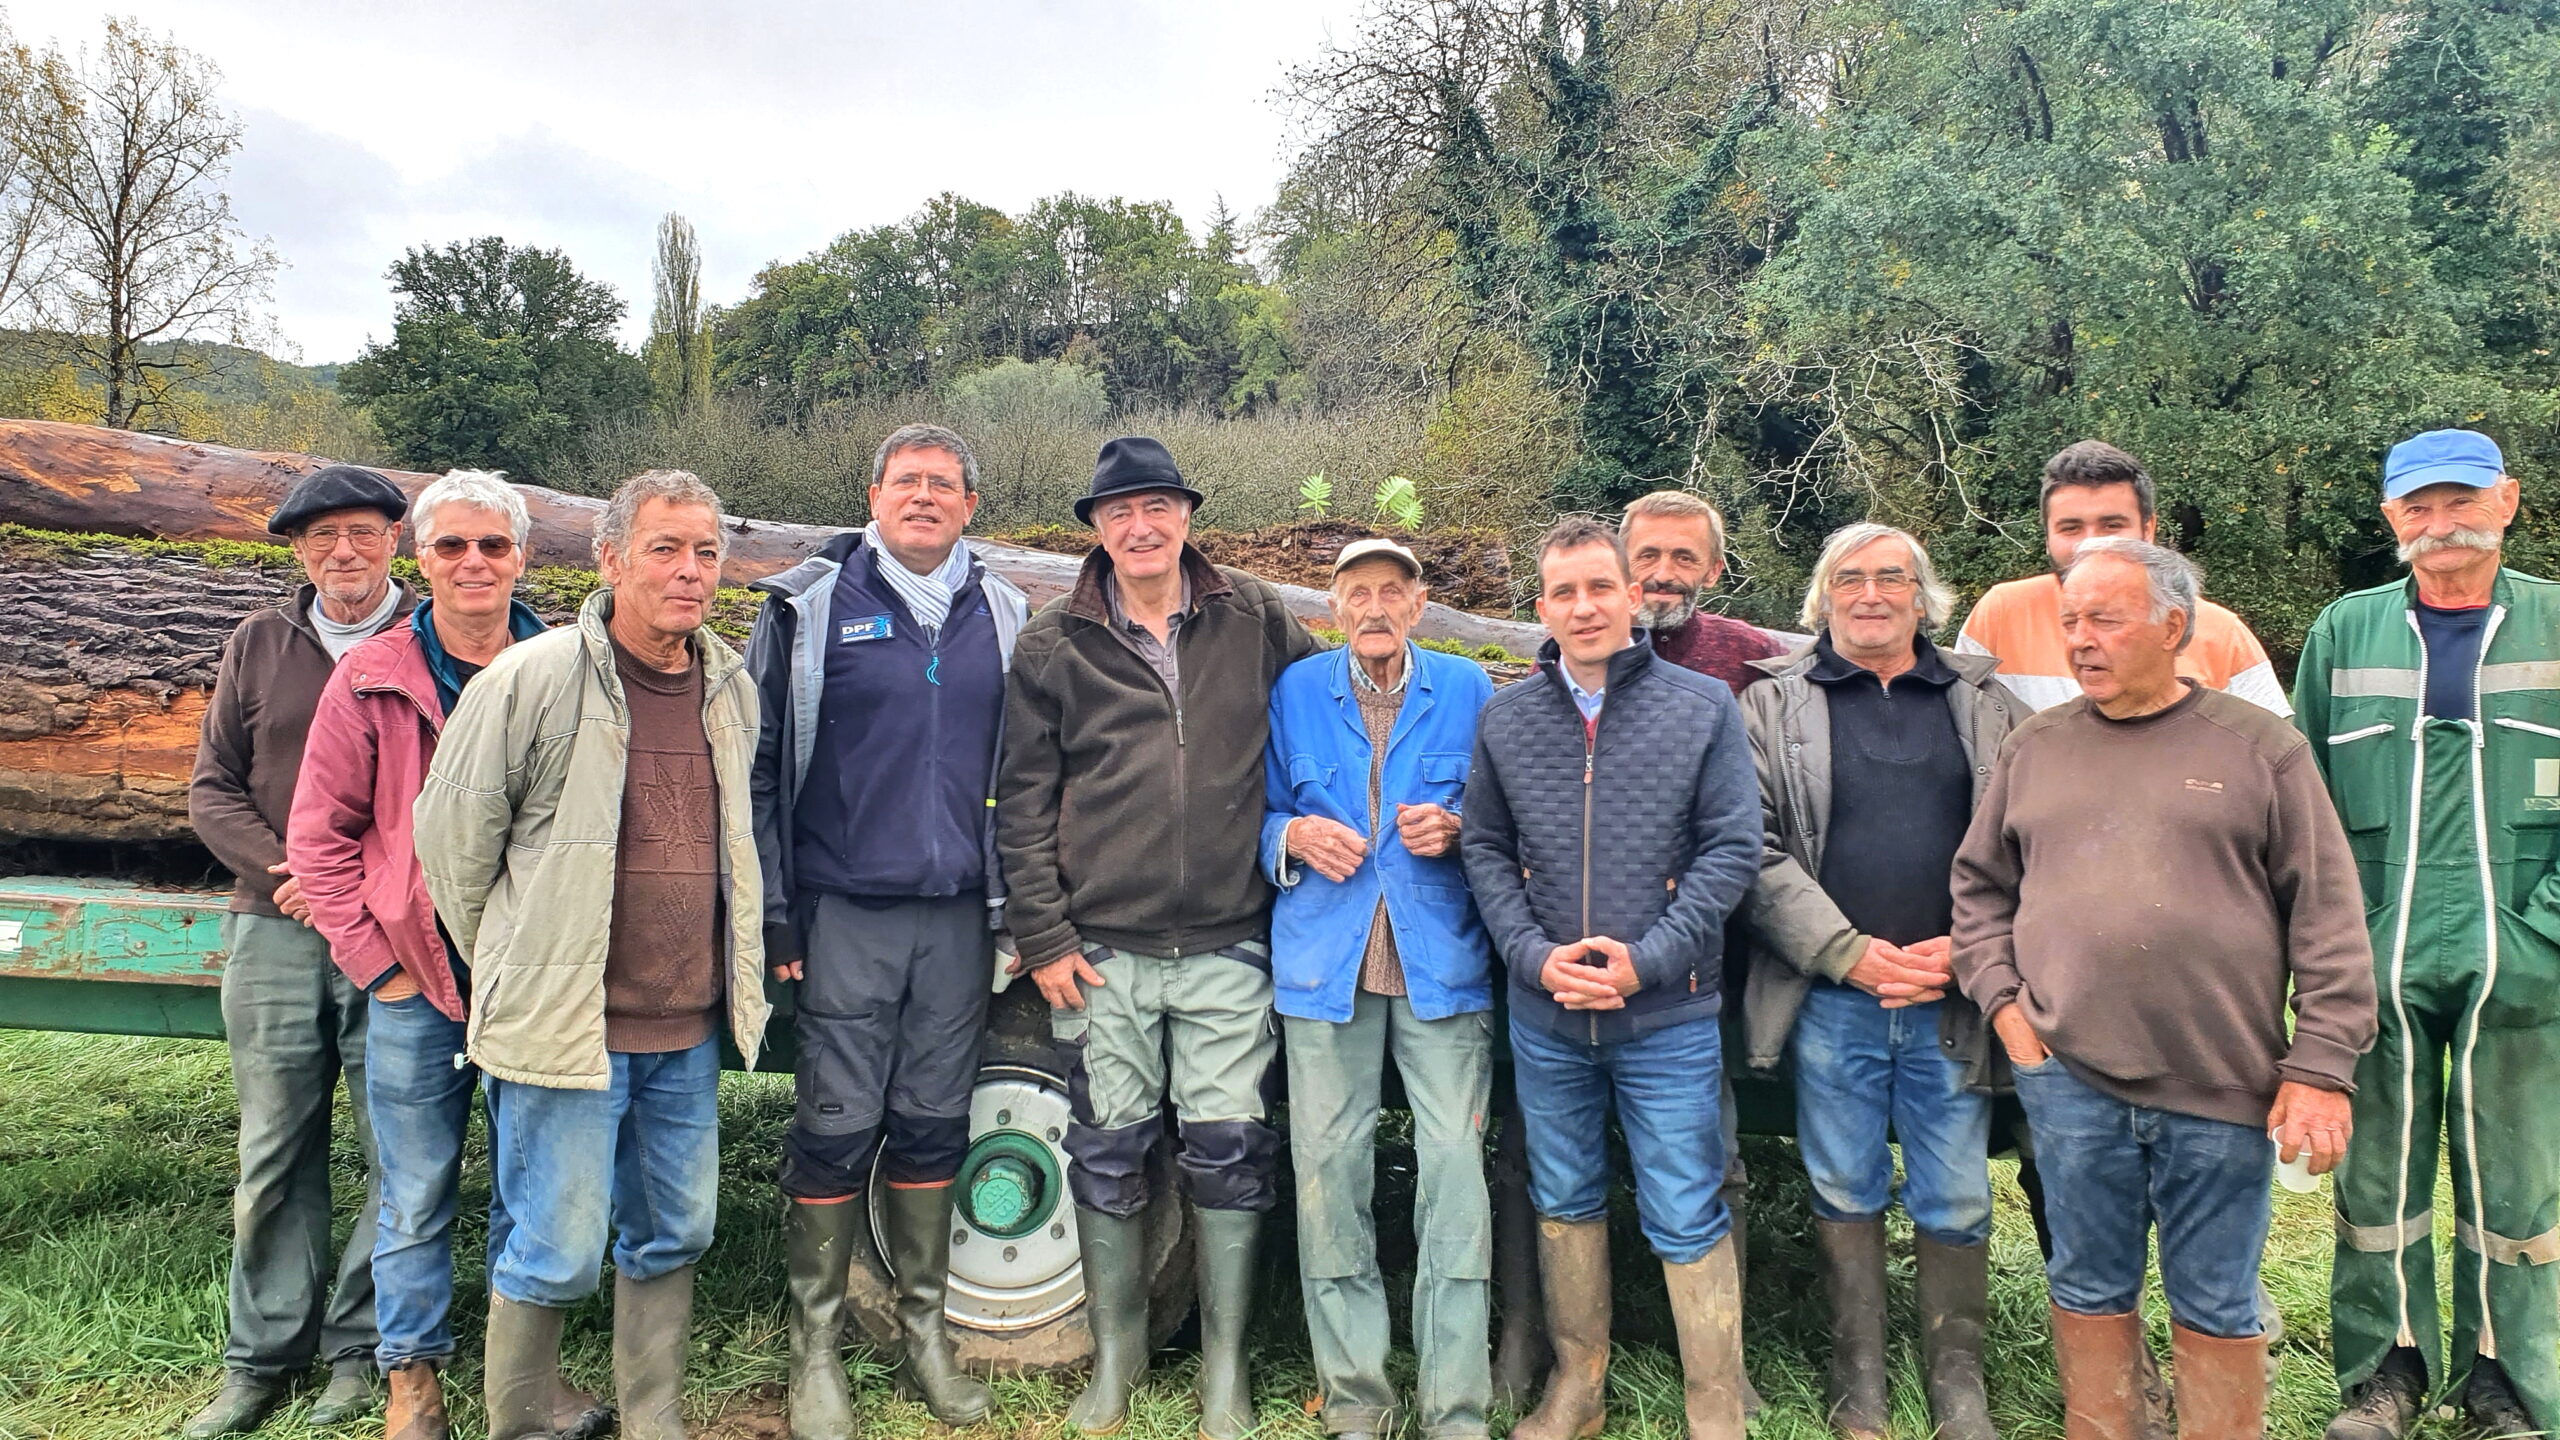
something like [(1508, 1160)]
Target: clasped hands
[(1335, 849)]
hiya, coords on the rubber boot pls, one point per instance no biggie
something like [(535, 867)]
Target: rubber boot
[(2385, 1406), (520, 1365), (416, 1410), (1853, 1280), (920, 1257), (1706, 1305), (241, 1406), (818, 1243), (349, 1394), (1520, 1355), (2097, 1358), (1115, 1303), (652, 1332), (1573, 1268), (1229, 1242), (1740, 1235), (2222, 1385), (1955, 1302)]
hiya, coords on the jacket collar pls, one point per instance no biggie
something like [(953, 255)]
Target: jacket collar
[(1087, 602), (1974, 670), (1624, 666), (717, 659), (1830, 667), (2502, 593)]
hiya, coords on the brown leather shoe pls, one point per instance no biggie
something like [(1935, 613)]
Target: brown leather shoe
[(415, 1410), (2222, 1385), (2098, 1360)]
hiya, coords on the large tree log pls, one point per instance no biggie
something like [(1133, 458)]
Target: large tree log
[(117, 482), (107, 651)]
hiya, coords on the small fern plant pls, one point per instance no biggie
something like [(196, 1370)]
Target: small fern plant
[(1399, 503), (1315, 495)]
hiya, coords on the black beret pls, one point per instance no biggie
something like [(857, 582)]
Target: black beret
[(337, 487)]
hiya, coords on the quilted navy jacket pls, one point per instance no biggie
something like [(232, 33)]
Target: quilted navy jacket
[(1646, 830)]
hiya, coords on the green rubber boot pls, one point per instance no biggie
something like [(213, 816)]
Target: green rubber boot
[(1115, 1299), (652, 1334), (1229, 1240), (920, 1256), (818, 1245), (520, 1368), (242, 1405)]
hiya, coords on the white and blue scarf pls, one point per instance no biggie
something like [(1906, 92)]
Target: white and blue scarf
[(927, 597)]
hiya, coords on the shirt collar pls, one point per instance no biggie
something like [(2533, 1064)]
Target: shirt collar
[(1928, 666), (1120, 617), (1360, 673)]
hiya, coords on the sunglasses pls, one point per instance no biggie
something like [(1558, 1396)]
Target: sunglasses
[(492, 547)]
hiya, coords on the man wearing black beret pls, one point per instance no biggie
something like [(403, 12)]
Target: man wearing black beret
[(1129, 817), (295, 1022)]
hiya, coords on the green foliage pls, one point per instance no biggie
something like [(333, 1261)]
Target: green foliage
[(1014, 392), (1117, 287), (1315, 495), (678, 350), (1398, 504), (502, 357)]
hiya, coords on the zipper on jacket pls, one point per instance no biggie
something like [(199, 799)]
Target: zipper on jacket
[(1590, 749)]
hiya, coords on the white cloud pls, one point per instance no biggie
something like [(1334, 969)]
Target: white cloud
[(773, 125)]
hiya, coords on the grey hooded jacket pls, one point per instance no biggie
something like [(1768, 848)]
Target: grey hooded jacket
[(1798, 932)]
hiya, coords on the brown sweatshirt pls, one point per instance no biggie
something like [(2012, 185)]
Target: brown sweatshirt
[(2146, 891), (250, 753), (662, 964)]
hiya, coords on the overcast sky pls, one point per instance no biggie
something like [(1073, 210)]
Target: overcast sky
[(774, 125)]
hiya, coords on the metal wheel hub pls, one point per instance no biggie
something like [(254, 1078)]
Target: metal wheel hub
[(1014, 1262)]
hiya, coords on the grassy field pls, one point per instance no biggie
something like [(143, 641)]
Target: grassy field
[(116, 1162)]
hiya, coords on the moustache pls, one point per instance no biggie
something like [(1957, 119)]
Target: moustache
[(2458, 539), (1669, 587)]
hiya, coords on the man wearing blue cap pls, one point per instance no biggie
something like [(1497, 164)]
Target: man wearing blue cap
[(2433, 708)]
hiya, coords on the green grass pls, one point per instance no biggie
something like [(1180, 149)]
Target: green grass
[(116, 1164)]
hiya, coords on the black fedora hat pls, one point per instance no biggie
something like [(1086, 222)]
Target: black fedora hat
[(1133, 462)]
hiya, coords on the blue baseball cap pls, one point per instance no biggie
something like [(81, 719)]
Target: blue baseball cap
[(2442, 457)]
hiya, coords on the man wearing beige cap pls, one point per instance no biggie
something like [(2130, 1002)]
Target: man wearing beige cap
[(1376, 953)]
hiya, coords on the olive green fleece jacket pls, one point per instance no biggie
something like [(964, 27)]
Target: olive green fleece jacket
[(1127, 815)]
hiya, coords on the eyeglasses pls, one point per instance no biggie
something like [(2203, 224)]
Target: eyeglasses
[(941, 486), (325, 538), (1891, 584), (492, 547)]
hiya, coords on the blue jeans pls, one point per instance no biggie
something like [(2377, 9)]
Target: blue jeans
[(636, 1164), (1861, 1069), (419, 1099), (1665, 1088), (2112, 1171)]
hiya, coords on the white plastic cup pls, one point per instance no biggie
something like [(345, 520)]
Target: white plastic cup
[(2295, 1174)]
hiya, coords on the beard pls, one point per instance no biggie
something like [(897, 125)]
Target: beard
[(2460, 539), (1667, 609)]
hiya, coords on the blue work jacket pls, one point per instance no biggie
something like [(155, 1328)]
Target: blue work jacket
[(1318, 764)]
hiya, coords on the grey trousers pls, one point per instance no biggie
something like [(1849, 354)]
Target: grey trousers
[(1334, 1075), (295, 1025)]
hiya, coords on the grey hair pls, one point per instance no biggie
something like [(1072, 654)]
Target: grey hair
[(473, 490), (622, 513), (1937, 600), (927, 437), (2175, 581)]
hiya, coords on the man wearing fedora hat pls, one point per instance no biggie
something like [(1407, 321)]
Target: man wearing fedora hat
[(296, 1023), (1128, 814)]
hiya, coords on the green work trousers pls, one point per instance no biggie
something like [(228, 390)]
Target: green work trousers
[(296, 1026), (1195, 1029), (2453, 1064), (1334, 1074)]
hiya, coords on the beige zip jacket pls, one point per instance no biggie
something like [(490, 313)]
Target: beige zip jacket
[(516, 830)]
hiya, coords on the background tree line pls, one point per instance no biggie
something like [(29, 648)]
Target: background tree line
[(1818, 259)]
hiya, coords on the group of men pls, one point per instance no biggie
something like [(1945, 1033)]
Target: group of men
[(2081, 857)]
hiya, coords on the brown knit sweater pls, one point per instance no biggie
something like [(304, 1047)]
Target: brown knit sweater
[(661, 967), (2148, 891)]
